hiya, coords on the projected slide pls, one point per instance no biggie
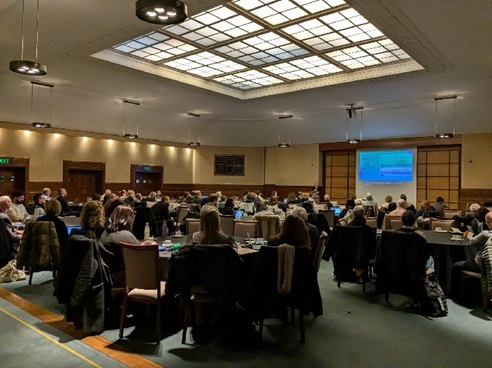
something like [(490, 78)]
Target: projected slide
[(386, 166)]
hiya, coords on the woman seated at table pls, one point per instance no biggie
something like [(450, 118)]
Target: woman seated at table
[(210, 232), (228, 209), (293, 232), (92, 218), (53, 209), (119, 230), (426, 210)]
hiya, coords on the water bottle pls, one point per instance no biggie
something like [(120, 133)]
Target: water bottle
[(146, 231), (164, 229)]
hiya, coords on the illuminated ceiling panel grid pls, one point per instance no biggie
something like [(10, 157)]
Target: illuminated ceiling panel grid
[(252, 44)]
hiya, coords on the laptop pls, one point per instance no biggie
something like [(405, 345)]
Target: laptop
[(336, 209), (238, 214)]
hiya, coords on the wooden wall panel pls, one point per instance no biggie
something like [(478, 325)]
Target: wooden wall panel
[(438, 157)]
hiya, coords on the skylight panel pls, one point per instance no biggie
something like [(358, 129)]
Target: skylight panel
[(303, 68), (274, 12), (205, 64)]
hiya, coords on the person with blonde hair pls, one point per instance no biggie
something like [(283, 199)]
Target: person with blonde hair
[(210, 232)]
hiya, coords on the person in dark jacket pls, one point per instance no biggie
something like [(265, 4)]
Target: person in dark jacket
[(53, 209), (160, 212), (229, 207)]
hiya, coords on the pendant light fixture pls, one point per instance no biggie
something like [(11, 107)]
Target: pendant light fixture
[(352, 114), (28, 67), (444, 134), (283, 144), (132, 103), (196, 143), (161, 11), (40, 124)]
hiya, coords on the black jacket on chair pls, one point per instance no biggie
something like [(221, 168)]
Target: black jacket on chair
[(304, 294), (82, 283)]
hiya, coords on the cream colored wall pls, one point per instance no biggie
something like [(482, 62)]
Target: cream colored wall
[(204, 164), (297, 165), (476, 153), (47, 151)]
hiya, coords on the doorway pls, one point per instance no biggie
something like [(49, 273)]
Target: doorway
[(83, 179), (146, 178), (13, 174)]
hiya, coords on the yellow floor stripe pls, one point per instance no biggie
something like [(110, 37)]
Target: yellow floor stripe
[(51, 339)]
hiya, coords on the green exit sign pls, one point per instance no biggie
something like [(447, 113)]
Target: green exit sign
[(147, 168), (5, 161)]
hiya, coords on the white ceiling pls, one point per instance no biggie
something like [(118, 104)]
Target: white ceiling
[(450, 39)]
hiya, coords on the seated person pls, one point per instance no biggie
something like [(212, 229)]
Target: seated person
[(210, 202), (119, 230), (463, 221), (426, 210), (479, 224), (130, 199), (440, 206), (53, 209), (410, 205), (293, 232), (401, 206), (39, 205), (228, 209), (66, 210), (262, 209), (387, 200), (210, 232), (360, 220), (160, 211), (409, 226), (326, 200), (17, 211), (14, 236), (349, 205), (92, 219), (368, 200), (312, 229)]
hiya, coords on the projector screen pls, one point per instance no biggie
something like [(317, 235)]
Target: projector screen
[(387, 171)]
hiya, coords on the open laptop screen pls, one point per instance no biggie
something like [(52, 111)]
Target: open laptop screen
[(337, 210)]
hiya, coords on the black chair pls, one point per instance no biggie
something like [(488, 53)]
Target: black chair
[(142, 216), (400, 264), (304, 294), (350, 248), (319, 220)]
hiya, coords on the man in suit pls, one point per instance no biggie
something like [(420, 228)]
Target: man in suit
[(14, 235)]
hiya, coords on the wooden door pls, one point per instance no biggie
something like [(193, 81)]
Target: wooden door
[(82, 184), (146, 182), (12, 178)]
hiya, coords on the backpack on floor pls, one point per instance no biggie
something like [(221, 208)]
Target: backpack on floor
[(433, 303)]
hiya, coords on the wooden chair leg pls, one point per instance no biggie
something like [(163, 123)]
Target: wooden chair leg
[(186, 322), (301, 326), (30, 275), (158, 322), (123, 313)]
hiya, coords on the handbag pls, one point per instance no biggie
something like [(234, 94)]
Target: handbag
[(10, 273)]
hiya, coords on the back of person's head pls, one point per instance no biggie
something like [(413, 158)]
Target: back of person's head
[(36, 198), (53, 207), (229, 202), (358, 202), (408, 218), (112, 207), (300, 212), (359, 212), (121, 219), (17, 193), (481, 213), (291, 196), (46, 191), (401, 203), (368, 196), (403, 196), (260, 206), (392, 206), (209, 225), (96, 197), (388, 199), (350, 203), (92, 215), (294, 232), (474, 207), (426, 205), (213, 198), (308, 206), (440, 200)]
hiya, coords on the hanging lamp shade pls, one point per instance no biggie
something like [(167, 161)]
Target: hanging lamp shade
[(28, 67), (161, 11)]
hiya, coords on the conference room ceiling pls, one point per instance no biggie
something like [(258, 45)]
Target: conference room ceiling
[(442, 49)]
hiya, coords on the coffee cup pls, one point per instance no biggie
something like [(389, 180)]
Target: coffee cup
[(167, 243)]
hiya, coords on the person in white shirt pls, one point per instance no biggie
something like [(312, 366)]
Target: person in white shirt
[(18, 212), (47, 194)]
